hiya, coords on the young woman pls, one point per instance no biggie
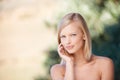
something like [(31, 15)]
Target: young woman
[(78, 62)]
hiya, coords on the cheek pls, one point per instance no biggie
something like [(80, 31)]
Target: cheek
[(79, 43), (77, 40)]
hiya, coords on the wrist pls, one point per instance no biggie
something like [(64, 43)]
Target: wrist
[(70, 61)]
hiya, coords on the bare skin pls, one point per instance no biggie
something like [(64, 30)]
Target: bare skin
[(75, 66), (101, 68)]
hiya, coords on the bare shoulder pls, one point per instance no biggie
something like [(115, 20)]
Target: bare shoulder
[(57, 71), (57, 67), (105, 66), (103, 60)]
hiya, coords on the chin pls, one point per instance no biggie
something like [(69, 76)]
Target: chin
[(71, 52)]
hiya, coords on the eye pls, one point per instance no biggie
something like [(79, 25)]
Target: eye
[(73, 34), (63, 36)]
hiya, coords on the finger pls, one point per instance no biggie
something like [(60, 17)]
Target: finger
[(60, 45), (61, 51)]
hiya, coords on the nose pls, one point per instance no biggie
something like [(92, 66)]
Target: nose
[(68, 40)]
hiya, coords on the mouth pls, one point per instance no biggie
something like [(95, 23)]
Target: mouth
[(69, 47)]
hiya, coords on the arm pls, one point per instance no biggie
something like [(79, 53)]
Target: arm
[(107, 70), (65, 72), (69, 73), (58, 72)]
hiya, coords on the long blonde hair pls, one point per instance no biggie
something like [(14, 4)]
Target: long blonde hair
[(76, 17)]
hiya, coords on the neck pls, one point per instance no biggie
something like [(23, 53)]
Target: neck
[(79, 59)]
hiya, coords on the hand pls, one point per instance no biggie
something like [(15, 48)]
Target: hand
[(64, 54)]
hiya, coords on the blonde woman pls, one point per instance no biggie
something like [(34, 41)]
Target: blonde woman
[(78, 62)]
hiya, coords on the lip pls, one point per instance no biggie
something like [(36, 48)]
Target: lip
[(69, 47)]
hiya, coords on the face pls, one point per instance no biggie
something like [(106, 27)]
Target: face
[(71, 38)]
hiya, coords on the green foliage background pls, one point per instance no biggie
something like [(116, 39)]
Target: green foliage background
[(103, 18)]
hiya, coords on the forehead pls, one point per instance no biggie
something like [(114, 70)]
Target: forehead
[(72, 27)]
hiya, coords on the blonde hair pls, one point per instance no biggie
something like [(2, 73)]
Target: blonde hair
[(76, 17)]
